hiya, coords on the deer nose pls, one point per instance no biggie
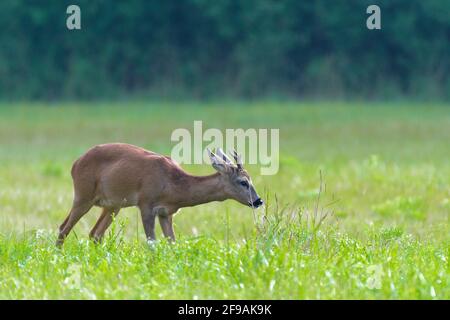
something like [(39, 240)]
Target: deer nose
[(257, 203)]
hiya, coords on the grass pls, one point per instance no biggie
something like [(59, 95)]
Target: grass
[(385, 194)]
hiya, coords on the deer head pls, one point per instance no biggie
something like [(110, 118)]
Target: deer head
[(236, 180)]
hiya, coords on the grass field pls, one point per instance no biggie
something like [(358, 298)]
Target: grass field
[(385, 200)]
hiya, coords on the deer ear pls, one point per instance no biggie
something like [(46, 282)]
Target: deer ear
[(224, 157), (217, 163)]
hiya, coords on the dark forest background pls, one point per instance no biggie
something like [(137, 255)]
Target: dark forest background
[(225, 48)]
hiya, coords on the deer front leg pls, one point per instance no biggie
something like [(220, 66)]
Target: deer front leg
[(148, 216), (167, 226)]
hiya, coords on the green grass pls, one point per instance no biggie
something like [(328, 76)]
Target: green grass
[(386, 193)]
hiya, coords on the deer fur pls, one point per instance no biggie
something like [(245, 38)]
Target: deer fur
[(118, 175)]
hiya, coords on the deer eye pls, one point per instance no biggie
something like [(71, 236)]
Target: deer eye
[(244, 184)]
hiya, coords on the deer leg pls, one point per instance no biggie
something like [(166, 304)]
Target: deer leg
[(148, 216), (167, 226), (104, 213), (103, 222), (61, 227), (78, 210)]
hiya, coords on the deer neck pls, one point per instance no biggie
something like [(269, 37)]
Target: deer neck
[(195, 190)]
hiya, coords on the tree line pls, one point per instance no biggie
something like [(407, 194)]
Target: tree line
[(224, 48)]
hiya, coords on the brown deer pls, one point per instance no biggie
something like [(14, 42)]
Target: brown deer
[(118, 175)]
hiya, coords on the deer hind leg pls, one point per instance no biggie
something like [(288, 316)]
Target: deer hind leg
[(79, 209), (148, 215), (103, 223), (167, 226)]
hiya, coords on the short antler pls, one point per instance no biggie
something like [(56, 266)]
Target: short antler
[(238, 159), (222, 159)]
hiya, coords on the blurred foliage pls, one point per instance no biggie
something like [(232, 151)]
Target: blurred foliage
[(204, 48)]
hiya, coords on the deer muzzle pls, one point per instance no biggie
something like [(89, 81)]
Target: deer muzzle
[(257, 203)]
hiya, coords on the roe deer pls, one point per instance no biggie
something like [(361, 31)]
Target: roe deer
[(118, 175)]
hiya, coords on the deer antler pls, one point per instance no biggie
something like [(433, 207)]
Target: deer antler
[(238, 159)]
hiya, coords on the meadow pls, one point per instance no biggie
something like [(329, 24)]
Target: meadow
[(358, 210)]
